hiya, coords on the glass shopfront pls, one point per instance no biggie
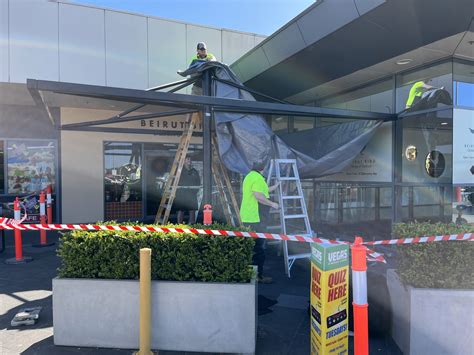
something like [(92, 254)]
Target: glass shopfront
[(135, 175)]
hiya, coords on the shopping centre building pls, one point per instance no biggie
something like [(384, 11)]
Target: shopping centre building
[(357, 56)]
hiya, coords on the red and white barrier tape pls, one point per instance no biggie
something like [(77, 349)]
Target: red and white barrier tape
[(417, 240), (7, 223)]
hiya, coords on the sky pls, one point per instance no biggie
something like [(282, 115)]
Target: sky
[(256, 16)]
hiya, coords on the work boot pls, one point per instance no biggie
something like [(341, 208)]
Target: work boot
[(264, 279)]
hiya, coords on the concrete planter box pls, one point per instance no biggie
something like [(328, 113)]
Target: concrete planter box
[(186, 316), (431, 321)]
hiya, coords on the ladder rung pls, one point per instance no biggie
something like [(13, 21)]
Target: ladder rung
[(294, 216), (286, 161), (295, 197), (288, 179)]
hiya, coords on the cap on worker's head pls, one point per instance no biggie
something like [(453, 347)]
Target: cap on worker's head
[(201, 46)]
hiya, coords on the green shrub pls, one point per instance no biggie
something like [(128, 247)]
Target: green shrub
[(175, 256), (435, 265)]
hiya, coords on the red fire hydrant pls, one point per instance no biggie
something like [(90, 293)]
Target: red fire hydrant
[(207, 214)]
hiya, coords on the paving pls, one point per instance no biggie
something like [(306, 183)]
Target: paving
[(283, 322)]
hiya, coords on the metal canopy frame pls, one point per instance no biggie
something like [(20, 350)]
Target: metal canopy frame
[(182, 104)]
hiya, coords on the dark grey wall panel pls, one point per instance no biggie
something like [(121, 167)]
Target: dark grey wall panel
[(26, 122), (326, 18), (364, 6), (285, 43)]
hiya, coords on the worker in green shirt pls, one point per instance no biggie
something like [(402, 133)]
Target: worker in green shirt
[(255, 194), (201, 55), (417, 91)]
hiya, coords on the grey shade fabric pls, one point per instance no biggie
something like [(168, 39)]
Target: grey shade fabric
[(247, 138)]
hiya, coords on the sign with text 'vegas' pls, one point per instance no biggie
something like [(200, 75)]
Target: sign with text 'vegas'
[(329, 299)]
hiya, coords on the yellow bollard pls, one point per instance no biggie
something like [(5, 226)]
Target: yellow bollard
[(145, 302)]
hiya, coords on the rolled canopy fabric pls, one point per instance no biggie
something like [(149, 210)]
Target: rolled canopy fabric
[(247, 138)]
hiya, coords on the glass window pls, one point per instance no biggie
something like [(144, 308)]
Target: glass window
[(376, 98), (303, 123), (463, 205), (122, 180), (31, 165), (417, 89), (279, 124), (2, 169), (427, 146), (463, 84)]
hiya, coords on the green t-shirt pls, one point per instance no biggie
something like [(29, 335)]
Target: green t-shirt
[(253, 182), (416, 90)]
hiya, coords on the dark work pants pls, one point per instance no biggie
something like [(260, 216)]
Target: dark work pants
[(259, 247)]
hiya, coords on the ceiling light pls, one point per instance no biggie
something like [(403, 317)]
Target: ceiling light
[(404, 61), (444, 123)]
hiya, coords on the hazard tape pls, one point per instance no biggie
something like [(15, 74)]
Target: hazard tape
[(10, 224), (417, 240)]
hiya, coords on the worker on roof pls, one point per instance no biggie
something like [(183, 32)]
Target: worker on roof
[(201, 55)]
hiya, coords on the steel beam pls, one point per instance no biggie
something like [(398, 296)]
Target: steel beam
[(197, 102)]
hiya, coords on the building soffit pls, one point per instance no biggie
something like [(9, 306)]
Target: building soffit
[(364, 47)]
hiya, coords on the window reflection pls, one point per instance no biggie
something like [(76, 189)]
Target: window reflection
[(122, 180), (376, 98), (464, 84), (432, 136), (425, 88)]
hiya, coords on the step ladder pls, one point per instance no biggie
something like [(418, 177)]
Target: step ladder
[(221, 177), (171, 185), (292, 215), (224, 187)]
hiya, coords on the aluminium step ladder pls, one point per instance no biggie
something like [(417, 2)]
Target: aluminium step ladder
[(293, 214)]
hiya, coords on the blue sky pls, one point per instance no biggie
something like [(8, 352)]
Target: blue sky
[(257, 16)]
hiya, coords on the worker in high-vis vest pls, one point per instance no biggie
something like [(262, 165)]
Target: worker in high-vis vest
[(201, 55), (255, 196), (417, 91)]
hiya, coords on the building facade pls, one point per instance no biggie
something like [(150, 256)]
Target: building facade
[(366, 56), (96, 175)]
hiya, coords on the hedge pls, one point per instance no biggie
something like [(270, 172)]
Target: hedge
[(175, 256), (447, 265)]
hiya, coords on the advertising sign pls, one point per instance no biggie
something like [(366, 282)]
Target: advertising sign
[(329, 299), (463, 147)]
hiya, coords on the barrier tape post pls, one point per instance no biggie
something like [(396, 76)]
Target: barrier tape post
[(359, 293), (19, 258), (145, 302), (43, 241), (49, 203)]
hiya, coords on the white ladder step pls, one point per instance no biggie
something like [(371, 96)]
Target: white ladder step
[(288, 179), (294, 216), (295, 197)]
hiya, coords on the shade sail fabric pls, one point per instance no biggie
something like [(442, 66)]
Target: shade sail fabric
[(247, 138)]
